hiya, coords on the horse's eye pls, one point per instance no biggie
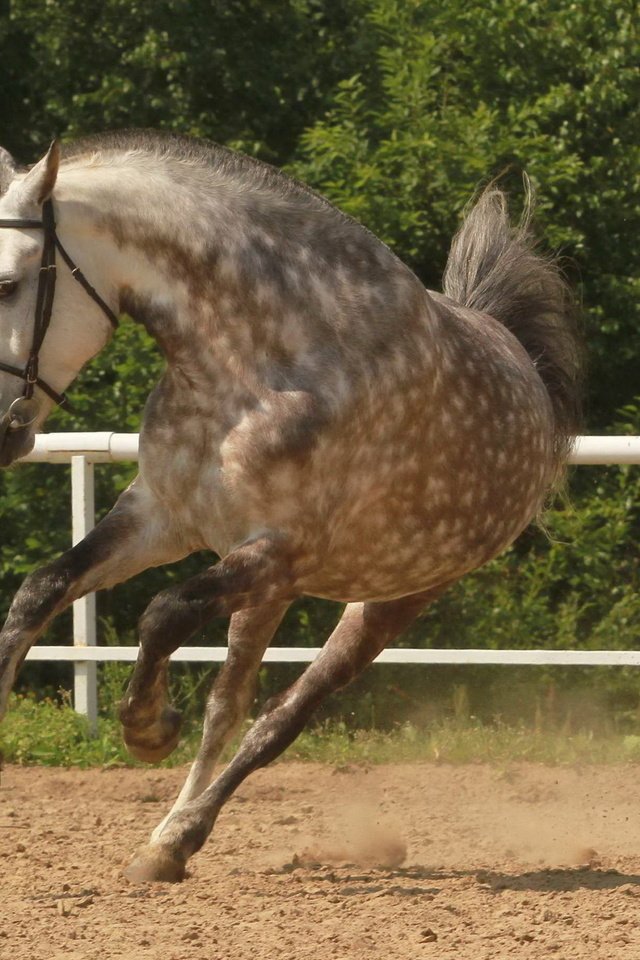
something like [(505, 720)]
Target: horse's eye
[(7, 288)]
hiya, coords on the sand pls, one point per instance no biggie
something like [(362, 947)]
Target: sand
[(310, 861)]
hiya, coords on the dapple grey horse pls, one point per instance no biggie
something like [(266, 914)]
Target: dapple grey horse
[(324, 424)]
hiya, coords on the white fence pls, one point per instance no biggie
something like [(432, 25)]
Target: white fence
[(83, 450)]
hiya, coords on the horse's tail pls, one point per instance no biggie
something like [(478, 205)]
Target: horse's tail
[(494, 267)]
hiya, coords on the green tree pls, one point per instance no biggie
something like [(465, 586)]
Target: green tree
[(243, 72), (459, 93)]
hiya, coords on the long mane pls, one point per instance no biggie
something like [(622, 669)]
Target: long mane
[(162, 146)]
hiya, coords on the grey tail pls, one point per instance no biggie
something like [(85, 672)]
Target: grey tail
[(495, 268)]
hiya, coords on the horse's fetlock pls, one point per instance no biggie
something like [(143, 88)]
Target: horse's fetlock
[(186, 831), (126, 712), (151, 738)]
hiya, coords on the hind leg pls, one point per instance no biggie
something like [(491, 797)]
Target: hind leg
[(250, 633), (364, 630), (254, 575)]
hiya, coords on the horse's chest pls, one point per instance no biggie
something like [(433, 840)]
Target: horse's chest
[(183, 470)]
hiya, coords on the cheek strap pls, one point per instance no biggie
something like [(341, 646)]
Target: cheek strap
[(44, 300)]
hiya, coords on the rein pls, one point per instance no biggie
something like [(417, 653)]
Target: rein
[(44, 301)]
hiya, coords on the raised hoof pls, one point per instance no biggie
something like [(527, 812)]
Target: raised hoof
[(158, 740), (153, 864)]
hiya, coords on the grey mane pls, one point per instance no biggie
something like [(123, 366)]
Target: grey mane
[(8, 170), (172, 146), (247, 171)]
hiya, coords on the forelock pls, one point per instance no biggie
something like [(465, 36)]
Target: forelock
[(7, 170)]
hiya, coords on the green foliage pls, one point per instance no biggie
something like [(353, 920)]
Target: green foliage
[(458, 93), (52, 734), (243, 72)]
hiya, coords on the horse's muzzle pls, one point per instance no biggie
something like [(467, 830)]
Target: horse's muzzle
[(16, 439)]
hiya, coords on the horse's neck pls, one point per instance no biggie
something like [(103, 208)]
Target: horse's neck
[(178, 267), (247, 286), (130, 238)]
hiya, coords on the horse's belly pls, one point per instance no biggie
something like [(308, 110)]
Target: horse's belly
[(394, 549), (409, 518)]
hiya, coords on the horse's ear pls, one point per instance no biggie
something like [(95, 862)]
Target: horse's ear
[(7, 170), (38, 184)]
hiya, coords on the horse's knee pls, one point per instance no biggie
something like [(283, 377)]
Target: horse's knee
[(162, 615)]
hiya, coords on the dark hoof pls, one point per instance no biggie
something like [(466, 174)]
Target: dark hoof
[(156, 741), (153, 864)]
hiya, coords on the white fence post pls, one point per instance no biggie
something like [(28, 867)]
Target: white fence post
[(85, 681)]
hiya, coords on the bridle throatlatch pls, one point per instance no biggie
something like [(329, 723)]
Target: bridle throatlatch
[(43, 310)]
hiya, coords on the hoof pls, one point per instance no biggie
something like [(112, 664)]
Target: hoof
[(158, 740), (153, 864)]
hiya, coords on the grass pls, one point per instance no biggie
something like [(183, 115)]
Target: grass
[(50, 733), (449, 742)]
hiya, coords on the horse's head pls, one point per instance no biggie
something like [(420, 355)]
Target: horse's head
[(44, 339)]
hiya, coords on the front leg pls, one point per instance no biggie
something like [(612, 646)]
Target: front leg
[(131, 538), (257, 573)]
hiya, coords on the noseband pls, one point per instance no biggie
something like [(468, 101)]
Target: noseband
[(44, 301)]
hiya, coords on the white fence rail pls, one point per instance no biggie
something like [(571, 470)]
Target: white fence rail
[(83, 450)]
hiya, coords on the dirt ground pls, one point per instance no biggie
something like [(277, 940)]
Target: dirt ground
[(311, 861)]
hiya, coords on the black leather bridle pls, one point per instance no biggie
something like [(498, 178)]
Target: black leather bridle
[(44, 301)]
